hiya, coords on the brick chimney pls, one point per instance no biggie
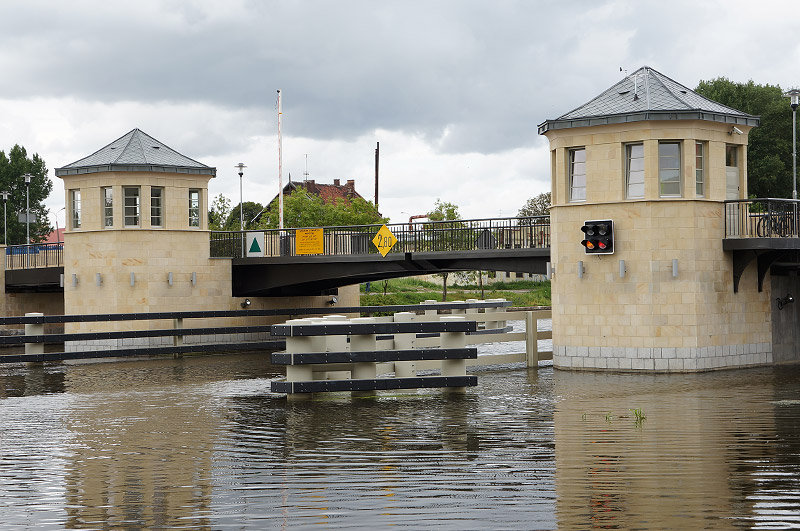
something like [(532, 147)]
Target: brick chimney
[(337, 182)]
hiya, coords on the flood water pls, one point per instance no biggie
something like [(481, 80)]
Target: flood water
[(200, 442)]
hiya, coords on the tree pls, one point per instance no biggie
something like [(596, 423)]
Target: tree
[(302, 209), (219, 212), (536, 206), (251, 212), (12, 168), (444, 211), (769, 151)]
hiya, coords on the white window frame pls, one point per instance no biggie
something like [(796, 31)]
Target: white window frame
[(669, 170), (194, 207), (700, 163), (577, 192), (639, 174), (132, 210), (157, 206), (75, 208), (107, 205)]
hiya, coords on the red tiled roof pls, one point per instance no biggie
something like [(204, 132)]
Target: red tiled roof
[(55, 236), (328, 192)]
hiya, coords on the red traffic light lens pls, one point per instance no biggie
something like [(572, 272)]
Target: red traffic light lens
[(601, 244)]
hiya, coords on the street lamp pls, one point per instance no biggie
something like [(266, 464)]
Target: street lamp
[(241, 167), (5, 223), (794, 94), (28, 178)]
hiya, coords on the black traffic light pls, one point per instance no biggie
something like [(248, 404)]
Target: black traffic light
[(599, 237)]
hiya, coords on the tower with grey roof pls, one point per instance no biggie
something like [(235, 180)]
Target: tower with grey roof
[(659, 160), (137, 238)]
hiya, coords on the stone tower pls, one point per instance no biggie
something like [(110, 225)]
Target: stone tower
[(659, 160)]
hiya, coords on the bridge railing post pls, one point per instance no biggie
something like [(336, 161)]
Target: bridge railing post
[(299, 373), (454, 367), (363, 342), (36, 329), (177, 341), (404, 369), (531, 340), (499, 308), (430, 313)]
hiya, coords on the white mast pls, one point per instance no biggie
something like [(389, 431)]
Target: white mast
[(280, 166)]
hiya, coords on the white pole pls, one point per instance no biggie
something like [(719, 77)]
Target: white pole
[(280, 166)]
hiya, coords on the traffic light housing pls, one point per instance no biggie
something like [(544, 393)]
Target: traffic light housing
[(598, 237)]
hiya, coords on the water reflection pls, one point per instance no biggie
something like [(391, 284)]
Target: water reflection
[(200, 442), (698, 460)]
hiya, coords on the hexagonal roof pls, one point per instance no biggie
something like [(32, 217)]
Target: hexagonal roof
[(647, 94), (136, 151)]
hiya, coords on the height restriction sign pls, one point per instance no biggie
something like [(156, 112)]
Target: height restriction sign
[(384, 240)]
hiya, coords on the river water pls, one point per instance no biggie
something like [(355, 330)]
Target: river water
[(200, 442)]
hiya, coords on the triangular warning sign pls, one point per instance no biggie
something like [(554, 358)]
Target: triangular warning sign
[(254, 247)]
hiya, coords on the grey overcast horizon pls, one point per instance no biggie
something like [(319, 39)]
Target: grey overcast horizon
[(452, 90)]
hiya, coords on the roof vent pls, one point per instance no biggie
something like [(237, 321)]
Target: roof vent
[(623, 92), (156, 147)]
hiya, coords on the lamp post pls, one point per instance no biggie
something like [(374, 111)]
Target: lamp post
[(5, 223), (28, 178), (241, 167), (794, 96)]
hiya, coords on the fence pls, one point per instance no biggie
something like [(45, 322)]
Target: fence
[(491, 316), (431, 236), (34, 255), (761, 218)]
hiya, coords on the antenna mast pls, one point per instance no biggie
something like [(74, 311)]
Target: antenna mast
[(280, 166)]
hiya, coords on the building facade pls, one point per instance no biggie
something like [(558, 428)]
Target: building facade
[(659, 160), (137, 239)]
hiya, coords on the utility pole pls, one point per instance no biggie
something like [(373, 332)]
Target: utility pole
[(377, 158), (280, 165)]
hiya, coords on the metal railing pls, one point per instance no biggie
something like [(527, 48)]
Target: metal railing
[(429, 236), (34, 255), (761, 218)]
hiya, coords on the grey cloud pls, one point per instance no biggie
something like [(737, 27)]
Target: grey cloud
[(488, 72)]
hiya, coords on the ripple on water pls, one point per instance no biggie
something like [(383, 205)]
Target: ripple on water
[(201, 442)]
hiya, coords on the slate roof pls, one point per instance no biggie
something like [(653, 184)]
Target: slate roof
[(647, 94), (136, 151)]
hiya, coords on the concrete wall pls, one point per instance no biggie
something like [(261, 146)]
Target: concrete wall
[(648, 319), (151, 254)]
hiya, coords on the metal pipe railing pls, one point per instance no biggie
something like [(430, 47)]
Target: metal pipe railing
[(429, 236), (761, 218), (34, 255)]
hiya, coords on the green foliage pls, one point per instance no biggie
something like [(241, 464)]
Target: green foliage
[(12, 168), (412, 290), (443, 211), (302, 209), (536, 206), (219, 212), (769, 151), (250, 210)]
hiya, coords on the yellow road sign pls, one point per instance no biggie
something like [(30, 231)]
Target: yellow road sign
[(384, 240), (309, 241)]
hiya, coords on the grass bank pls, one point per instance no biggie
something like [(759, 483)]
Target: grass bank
[(411, 290)]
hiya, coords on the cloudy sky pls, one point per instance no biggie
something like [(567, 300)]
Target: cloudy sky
[(452, 90)]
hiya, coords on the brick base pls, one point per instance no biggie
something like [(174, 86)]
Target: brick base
[(661, 359)]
